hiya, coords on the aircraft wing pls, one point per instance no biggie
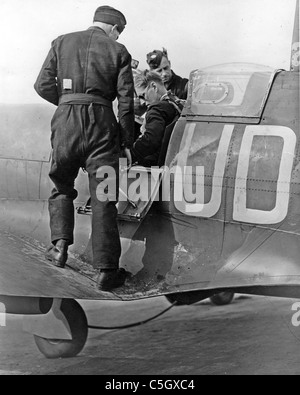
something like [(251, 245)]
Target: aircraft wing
[(24, 271)]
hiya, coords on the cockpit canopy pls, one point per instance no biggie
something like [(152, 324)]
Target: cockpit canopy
[(229, 90)]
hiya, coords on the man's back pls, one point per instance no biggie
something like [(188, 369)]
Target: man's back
[(88, 62)]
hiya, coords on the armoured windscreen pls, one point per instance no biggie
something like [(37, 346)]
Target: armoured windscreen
[(231, 90)]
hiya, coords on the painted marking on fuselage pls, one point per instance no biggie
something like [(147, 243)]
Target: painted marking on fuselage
[(210, 209), (240, 211)]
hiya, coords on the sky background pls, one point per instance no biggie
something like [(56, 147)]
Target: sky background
[(196, 33)]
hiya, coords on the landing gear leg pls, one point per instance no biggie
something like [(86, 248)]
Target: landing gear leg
[(63, 332)]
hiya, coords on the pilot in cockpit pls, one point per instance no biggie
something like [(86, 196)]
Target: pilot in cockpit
[(162, 109)]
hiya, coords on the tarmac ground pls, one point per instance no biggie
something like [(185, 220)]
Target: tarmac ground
[(254, 336)]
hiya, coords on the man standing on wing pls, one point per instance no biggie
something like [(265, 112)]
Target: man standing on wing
[(83, 74)]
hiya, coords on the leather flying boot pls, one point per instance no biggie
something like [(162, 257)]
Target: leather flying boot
[(58, 253), (111, 279)]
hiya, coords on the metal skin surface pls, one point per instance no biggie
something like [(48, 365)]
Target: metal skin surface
[(245, 236), (239, 133), (264, 251)]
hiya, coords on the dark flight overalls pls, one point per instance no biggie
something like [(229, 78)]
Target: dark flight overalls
[(178, 86), (83, 74)]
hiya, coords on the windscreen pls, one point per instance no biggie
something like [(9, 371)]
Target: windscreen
[(234, 90)]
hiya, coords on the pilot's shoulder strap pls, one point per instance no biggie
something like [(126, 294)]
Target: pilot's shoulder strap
[(175, 102)]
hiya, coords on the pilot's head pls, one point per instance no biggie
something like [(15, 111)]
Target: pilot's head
[(112, 21), (149, 87), (159, 62)]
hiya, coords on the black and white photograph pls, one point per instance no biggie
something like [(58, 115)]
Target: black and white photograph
[(149, 190)]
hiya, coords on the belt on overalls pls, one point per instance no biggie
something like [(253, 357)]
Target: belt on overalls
[(85, 99)]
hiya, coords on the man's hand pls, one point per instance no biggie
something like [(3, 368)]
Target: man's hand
[(128, 156), (139, 108)]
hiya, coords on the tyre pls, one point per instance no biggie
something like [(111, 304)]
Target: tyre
[(222, 299), (188, 298), (56, 348)]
